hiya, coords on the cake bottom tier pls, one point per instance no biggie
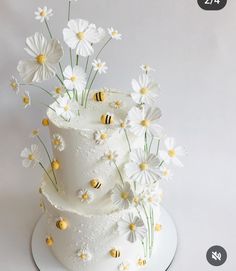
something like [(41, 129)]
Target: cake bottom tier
[(83, 242)]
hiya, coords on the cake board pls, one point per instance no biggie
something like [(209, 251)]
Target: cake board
[(161, 260)]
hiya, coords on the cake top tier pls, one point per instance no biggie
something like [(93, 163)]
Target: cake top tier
[(105, 109)]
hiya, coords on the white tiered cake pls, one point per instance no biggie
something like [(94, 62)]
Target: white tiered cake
[(101, 193), (88, 237)]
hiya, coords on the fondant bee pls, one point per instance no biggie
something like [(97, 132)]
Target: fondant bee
[(100, 96), (115, 253), (142, 262), (62, 224), (95, 183), (107, 119), (49, 241)]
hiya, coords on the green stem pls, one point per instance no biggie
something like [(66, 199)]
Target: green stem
[(77, 60), (145, 143), (150, 146), (158, 146), (71, 60), (103, 48), (162, 162), (49, 158), (89, 89), (63, 85), (148, 224), (69, 9), (119, 172), (48, 176), (43, 89), (127, 138), (86, 66), (50, 33), (144, 248)]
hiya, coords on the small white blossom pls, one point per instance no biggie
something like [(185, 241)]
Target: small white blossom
[(100, 137), (110, 157), (145, 90), (114, 34), (58, 142), (145, 121), (34, 133), (66, 108), (172, 152), (45, 56), (43, 14), (116, 104), (75, 78), (123, 124), (58, 92), (125, 266), (30, 156), (14, 84), (84, 255), (85, 195), (99, 66), (26, 99), (143, 167), (122, 196), (166, 173), (132, 227)]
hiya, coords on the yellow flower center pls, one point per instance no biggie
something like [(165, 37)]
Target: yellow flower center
[(14, 85), (158, 227), (125, 195), (31, 157), (132, 227), (85, 196), (66, 108), (165, 173), (43, 13), (56, 142), (143, 166), (145, 123), (41, 59), (110, 157), (114, 33), (144, 91), (74, 78), (83, 256), (80, 35), (35, 132), (104, 136), (118, 104), (58, 90), (123, 125), (136, 200), (26, 100), (172, 153)]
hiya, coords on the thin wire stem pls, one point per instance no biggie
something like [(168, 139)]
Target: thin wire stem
[(158, 146), (150, 146), (86, 66), (50, 33), (69, 10), (103, 48), (77, 60), (71, 60), (127, 138), (119, 172), (49, 158), (48, 176), (86, 101), (43, 89)]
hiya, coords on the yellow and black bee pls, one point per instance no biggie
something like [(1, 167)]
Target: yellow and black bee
[(107, 119), (115, 253), (142, 262), (95, 183), (100, 96)]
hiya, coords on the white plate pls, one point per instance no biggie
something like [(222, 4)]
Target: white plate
[(167, 245)]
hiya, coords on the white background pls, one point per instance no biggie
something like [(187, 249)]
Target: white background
[(194, 53)]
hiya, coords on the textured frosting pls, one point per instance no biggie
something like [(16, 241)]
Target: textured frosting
[(95, 233), (81, 159)]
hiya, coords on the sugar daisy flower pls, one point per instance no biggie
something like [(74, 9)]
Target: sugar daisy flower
[(166, 173), (58, 142), (153, 196), (132, 227), (125, 266), (114, 34), (85, 195), (66, 108), (75, 78), (146, 68), (43, 14), (145, 121), (122, 196), (172, 152), (84, 255), (58, 92), (46, 55), (145, 90), (99, 66), (30, 156), (101, 137), (110, 157), (26, 99), (143, 167), (80, 35), (14, 84)]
